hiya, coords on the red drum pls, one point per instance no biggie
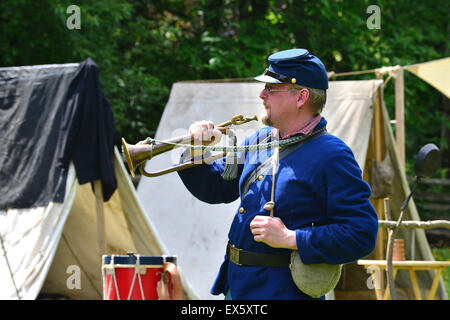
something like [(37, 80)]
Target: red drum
[(135, 277)]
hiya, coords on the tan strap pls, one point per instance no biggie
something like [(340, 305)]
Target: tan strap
[(162, 287)]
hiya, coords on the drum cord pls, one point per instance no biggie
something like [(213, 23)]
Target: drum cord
[(137, 271), (114, 279)]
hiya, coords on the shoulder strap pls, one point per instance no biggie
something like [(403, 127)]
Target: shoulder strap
[(266, 165), (293, 147)]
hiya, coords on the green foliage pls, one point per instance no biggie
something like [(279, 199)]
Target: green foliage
[(443, 254), (142, 47)]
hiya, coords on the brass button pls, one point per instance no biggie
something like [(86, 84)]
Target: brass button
[(260, 177), (241, 210)]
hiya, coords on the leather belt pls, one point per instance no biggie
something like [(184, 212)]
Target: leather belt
[(242, 257)]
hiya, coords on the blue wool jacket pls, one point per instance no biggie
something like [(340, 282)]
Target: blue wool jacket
[(319, 193)]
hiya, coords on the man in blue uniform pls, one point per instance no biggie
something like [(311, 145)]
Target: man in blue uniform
[(319, 202)]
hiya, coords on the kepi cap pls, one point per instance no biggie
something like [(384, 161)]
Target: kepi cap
[(295, 66)]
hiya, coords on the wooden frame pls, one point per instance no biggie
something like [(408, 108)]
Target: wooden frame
[(412, 266)]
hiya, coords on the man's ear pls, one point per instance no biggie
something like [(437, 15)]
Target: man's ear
[(303, 97)]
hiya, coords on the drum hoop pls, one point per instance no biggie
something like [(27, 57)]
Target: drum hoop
[(138, 259), (114, 266)]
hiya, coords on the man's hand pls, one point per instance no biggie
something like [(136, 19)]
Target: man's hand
[(273, 232), (205, 132)]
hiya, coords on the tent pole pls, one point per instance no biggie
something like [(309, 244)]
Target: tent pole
[(400, 114), (379, 204), (100, 216)]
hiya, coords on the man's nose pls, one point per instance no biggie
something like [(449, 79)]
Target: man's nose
[(263, 93)]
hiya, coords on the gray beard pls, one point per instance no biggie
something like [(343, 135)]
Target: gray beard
[(266, 120)]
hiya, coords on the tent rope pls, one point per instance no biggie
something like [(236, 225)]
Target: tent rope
[(382, 71), (9, 268)]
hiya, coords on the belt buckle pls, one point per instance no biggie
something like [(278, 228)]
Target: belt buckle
[(234, 255)]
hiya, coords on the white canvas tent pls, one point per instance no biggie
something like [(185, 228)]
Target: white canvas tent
[(54, 248), (197, 232), (435, 73), (43, 247), (128, 229)]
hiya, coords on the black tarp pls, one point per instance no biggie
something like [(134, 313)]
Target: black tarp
[(51, 115)]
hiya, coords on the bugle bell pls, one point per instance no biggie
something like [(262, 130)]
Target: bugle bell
[(137, 154)]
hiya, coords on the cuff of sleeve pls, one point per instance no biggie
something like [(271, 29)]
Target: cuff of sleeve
[(185, 156), (303, 237)]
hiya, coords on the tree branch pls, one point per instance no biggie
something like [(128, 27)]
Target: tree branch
[(432, 224)]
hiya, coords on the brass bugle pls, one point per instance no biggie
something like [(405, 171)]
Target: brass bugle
[(137, 154)]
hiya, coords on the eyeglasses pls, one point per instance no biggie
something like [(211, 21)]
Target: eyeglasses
[(271, 89)]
